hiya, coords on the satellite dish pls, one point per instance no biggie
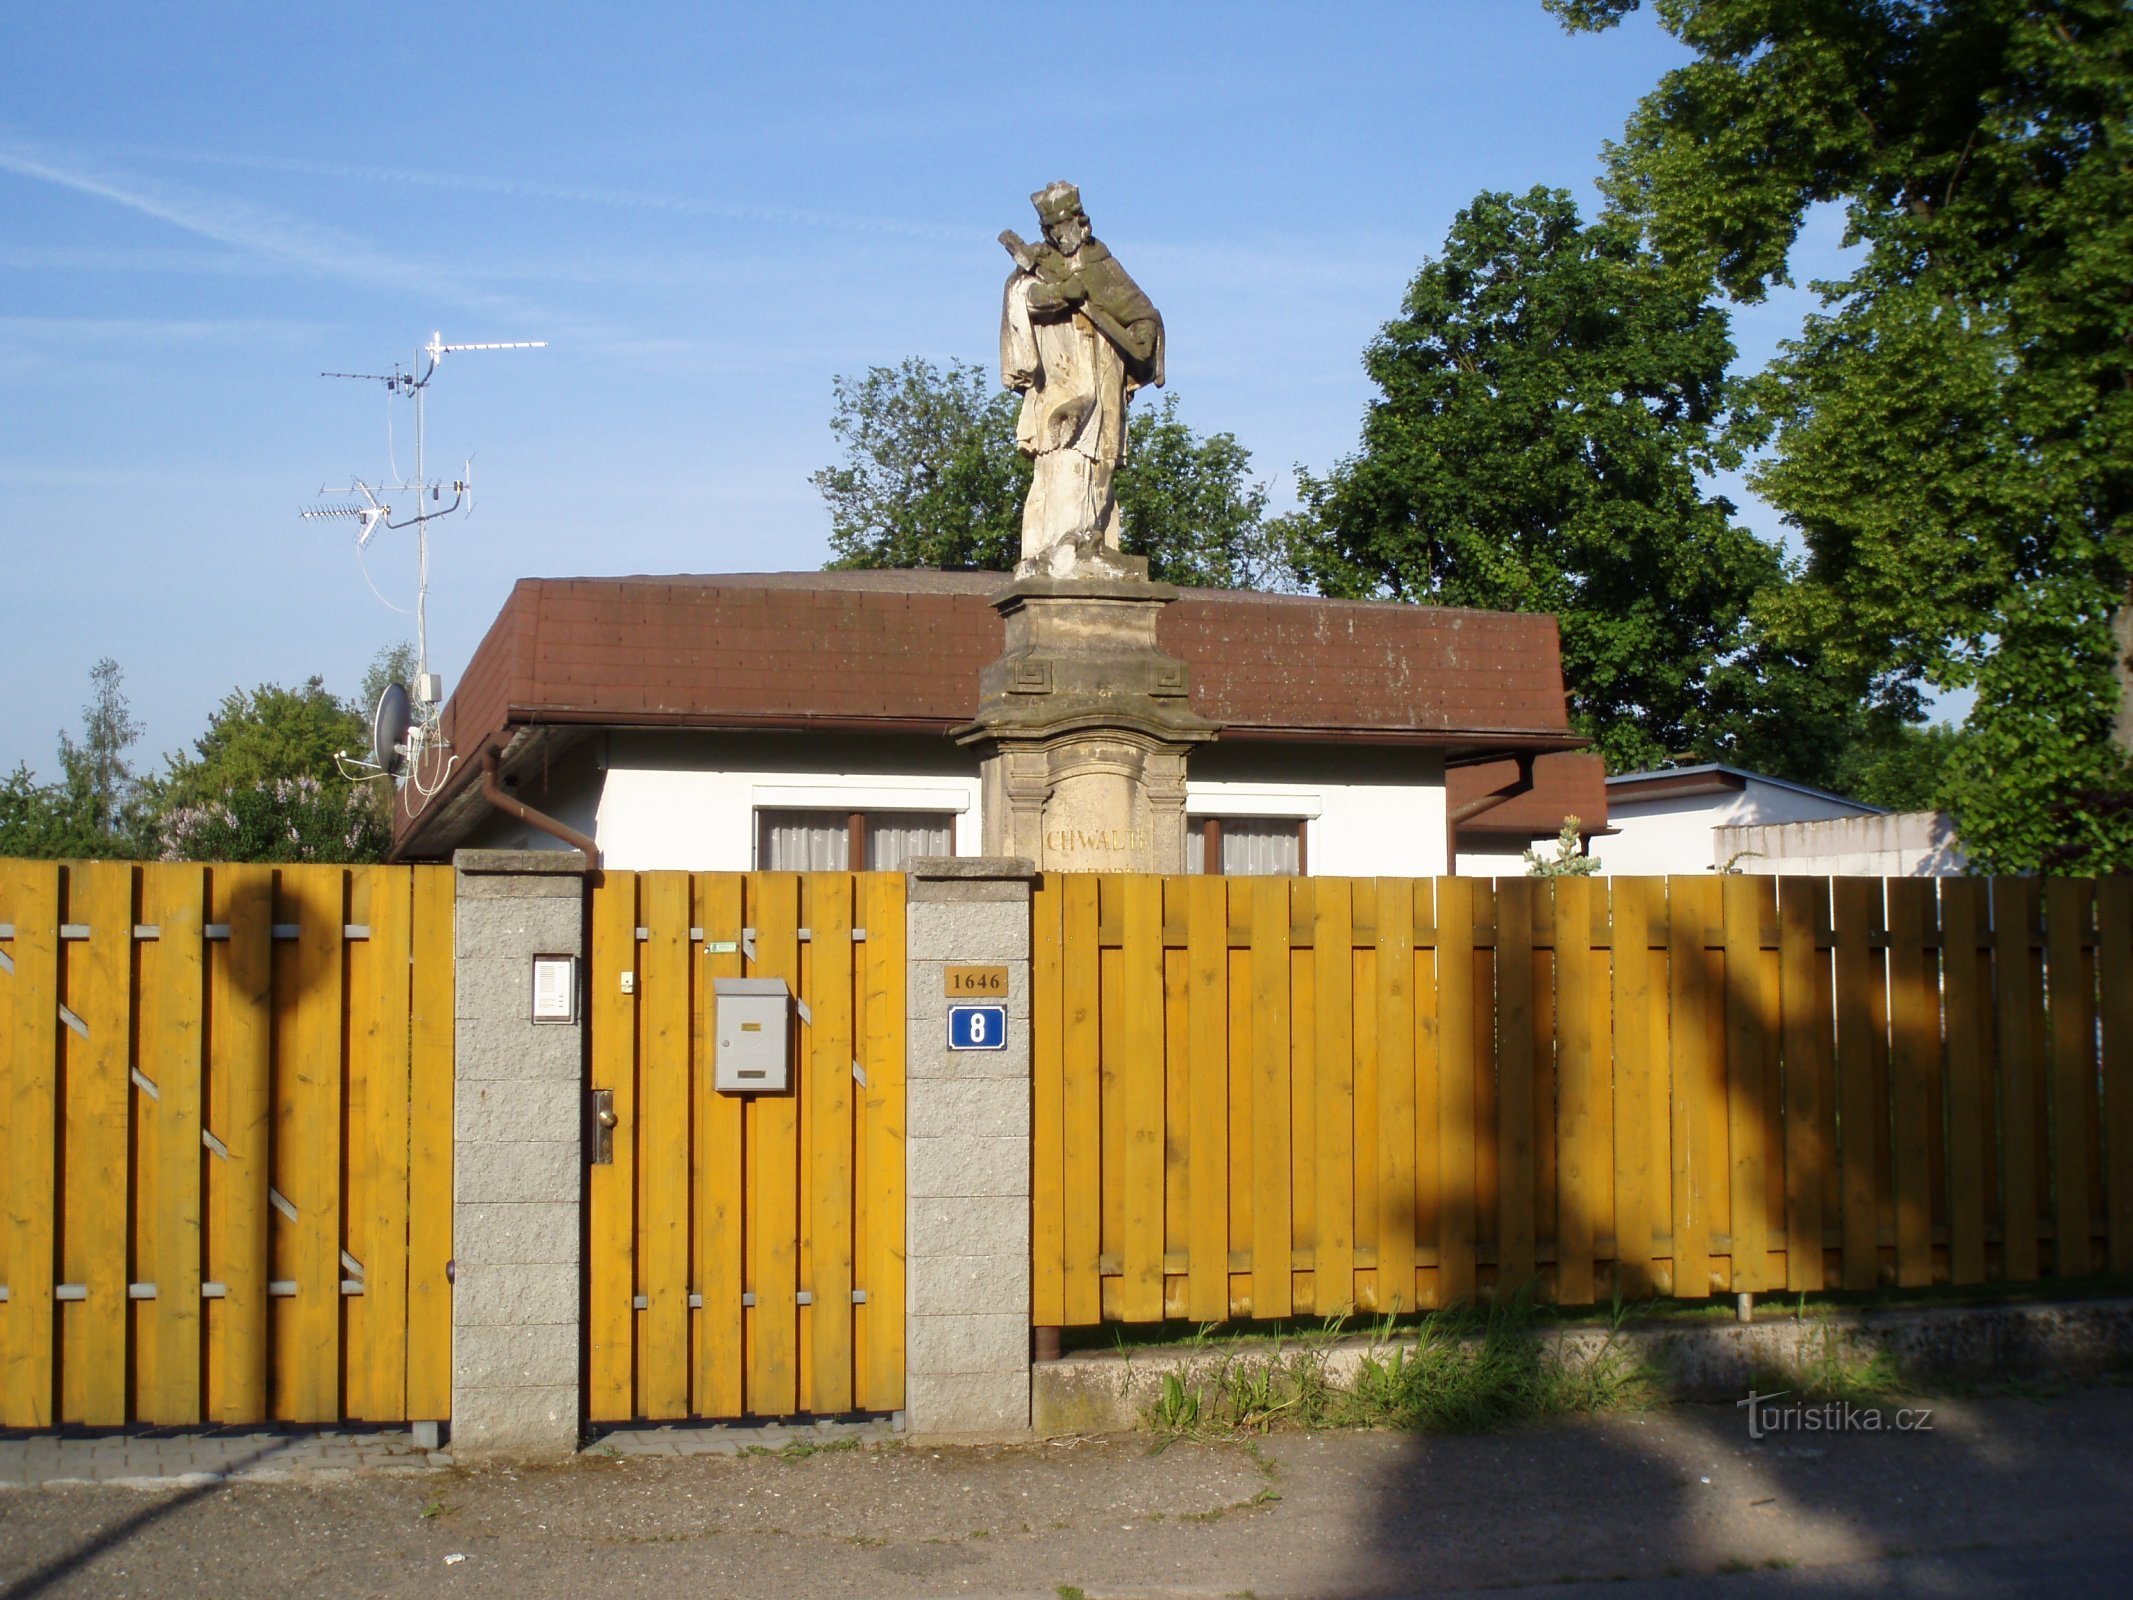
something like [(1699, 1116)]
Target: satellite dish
[(388, 730)]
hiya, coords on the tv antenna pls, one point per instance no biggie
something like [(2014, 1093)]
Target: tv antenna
[(404, 723)]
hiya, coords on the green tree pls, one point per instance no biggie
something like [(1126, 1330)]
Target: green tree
[(265, 735), (1569, 860), (95, 809), (1953, 434), (931, 478), (1548, 400), (282, 819)]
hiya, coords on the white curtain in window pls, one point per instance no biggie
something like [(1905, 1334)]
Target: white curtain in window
[(1261, 847), (803, 841), (894, 837), (1195, 844)]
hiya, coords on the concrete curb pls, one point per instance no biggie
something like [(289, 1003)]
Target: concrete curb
[(1111, 1391)]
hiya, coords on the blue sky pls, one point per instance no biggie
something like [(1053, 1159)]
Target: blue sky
[(709, 212)]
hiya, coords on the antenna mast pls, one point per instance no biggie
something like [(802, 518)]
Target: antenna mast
[(427, 691)]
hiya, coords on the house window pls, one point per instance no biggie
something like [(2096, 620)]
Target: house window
[(1245, 847), (834, 841)]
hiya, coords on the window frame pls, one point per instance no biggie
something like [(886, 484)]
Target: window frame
[(1209, 827), (855, 825)]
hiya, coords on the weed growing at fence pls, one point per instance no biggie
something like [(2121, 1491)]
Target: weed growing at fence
[(1830, 1369), (1466, 1371)]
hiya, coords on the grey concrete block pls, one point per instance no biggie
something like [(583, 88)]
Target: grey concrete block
[(987, 931), (515, 1424), (504, 1232), (924, 998), (989, 1342), (939, 1285), (941, 1168), (511, 927), (505, 1111), (524, 1172), (521, 863), (926, 1054), (977, 1108), (966, 1406), (967, 878), (499, 988), (507, 1052), (536, 1356), (497, 1295), (966, 1227)]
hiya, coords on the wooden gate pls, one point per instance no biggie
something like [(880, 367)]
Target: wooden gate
[(746, 1254), (225, 1143)]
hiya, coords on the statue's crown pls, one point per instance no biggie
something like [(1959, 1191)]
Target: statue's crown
[(1055, 202)]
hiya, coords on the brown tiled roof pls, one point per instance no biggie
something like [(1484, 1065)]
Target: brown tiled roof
[(903, 650)]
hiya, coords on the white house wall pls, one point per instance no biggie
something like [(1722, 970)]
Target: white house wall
[(1677, 833), (687, 800)]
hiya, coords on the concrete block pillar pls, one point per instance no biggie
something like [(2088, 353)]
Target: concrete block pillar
[(518, 1162), (967, 1122)]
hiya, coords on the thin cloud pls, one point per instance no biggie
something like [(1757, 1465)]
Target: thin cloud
[(618, 199), (256, 230)]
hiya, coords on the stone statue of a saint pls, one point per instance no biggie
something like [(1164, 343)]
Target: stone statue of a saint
[(1077, 337)]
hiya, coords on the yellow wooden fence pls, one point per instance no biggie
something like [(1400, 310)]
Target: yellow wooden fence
[(746, 1254), (1296, 1096), (225, 1143)]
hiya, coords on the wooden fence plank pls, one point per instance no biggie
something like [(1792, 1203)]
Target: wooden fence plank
[(718, 1165), (1362, 983), (611, 1243), (2114, 964), (1429, 1098), (1137, 1078), (1967, 980), (1270, 1235), (1082, 1138), (829, 1182), (2071, 975), (97, 986), (1047, 1046), (240, 1100), (663, 1029), (1303, 1093), (1698, 1171), (1515, 1108), (431, 1088), (774, 1383), (387, 1143), (1207, 1014), (1395, 1000), (2020, 1009), (1579, 1089), (1747, 903), (884, 1060), (314, 898), (173, 898), (1639, 1097), (1456, 1123), (1803, 1005), (1336, 1128), (29, 899), (1914, 1069), (1855, 912)]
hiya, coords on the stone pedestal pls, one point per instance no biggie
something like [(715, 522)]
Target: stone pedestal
[(1084, 725)]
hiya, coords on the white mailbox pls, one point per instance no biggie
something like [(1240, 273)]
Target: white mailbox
[(749, 1030)]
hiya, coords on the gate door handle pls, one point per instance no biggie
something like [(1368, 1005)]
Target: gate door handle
[(603, 1129)]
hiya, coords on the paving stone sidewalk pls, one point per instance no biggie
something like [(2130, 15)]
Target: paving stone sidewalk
[(162, 1458)]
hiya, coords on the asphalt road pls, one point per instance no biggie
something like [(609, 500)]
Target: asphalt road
[(2001, 1496)]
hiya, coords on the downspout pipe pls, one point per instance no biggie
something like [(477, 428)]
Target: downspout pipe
[(493, 792)]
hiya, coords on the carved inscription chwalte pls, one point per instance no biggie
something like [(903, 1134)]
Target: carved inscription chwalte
[(1094, 841)]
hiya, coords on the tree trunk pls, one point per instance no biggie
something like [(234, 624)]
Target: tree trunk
[(2122, 632)]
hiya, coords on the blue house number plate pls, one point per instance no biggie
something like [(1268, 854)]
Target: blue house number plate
[(977, 1027)]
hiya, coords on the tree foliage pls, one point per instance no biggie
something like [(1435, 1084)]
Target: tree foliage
[(1547, 400), (931, 478), (1953, 434), (264, 736)]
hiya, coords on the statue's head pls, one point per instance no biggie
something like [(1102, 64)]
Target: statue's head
[(1059, 209)]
